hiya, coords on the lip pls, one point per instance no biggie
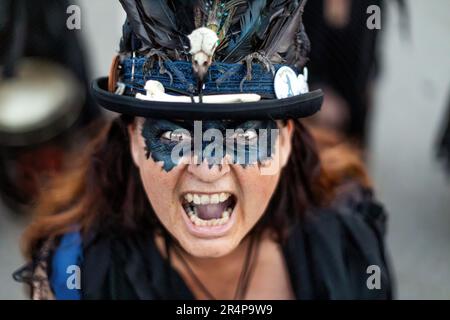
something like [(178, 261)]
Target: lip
[(208, 232)]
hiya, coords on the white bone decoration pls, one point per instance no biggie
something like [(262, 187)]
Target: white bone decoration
[(156, 92)]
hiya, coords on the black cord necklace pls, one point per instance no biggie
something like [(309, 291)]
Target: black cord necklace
[(244, 278)]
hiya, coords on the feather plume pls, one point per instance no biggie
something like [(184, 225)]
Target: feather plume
[(137, 22), (250, 22), (154, 23), (243, 27), (298, 52), (186, 13), (270, 14), (126, 40), (284, 33)]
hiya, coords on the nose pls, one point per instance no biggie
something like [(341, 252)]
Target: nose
[(206, 173), (201, 72)]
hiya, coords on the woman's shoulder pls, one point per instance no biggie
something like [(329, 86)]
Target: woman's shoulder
[(343, 244), (77, 266)]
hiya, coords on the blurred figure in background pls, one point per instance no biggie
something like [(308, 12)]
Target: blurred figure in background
[(444, 142), (44, 97), (344, 63)]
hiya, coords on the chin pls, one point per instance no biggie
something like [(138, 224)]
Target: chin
[(209, 248)]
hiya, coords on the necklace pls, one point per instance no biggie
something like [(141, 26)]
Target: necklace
[(244, 278)]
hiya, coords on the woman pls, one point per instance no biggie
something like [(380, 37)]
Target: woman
[(272, 221)]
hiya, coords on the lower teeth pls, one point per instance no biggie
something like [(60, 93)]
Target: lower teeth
[(212, 222)]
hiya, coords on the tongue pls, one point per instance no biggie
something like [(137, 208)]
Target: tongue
[(211, 211)]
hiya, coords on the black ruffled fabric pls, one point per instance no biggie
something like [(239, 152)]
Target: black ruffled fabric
[(327, 257), (444, 143)]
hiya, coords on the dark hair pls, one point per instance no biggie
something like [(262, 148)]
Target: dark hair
[(105, 189)]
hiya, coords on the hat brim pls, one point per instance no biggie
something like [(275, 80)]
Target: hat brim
[(300, 106)]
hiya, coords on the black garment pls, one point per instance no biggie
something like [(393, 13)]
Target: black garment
[(327, 258), (444, 143)]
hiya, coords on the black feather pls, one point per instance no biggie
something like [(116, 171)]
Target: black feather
[(250, 22), (185, 12), (298, 52), (270, 14), (243, 27), (137, 23), (159, 22), (284, 33), (125, 41), (154, 23), (159, 12)]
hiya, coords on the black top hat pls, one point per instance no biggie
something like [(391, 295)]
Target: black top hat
[(211, 59)]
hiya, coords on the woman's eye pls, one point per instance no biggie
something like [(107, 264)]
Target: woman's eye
[(175, 136)]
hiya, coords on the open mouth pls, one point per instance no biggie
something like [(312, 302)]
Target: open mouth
[(209, 209)]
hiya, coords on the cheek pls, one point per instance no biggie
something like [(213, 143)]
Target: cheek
[(152, 172), (160, 187), (256, 192)]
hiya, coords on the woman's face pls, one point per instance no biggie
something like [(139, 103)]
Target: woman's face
[(209, 209)]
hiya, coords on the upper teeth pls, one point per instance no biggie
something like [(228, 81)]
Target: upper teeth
[(207, 198)]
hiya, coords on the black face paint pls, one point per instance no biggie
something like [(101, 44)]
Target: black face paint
[(246, 142)]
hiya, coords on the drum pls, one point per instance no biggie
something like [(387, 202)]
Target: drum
[(39, 106), (42, 100)]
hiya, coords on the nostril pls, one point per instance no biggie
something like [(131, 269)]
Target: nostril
[(208, 173)]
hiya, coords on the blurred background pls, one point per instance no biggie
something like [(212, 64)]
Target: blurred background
[(387, 91)]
